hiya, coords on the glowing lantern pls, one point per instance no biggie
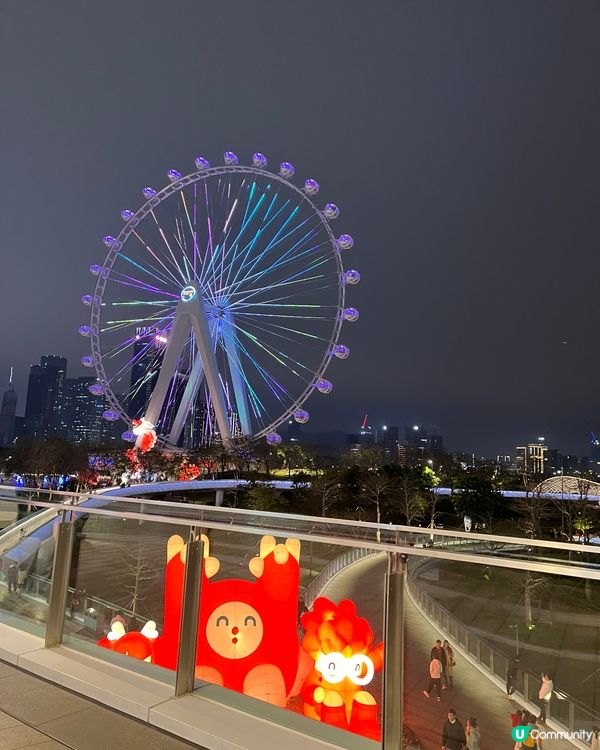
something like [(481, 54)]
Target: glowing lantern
[(345, 661)]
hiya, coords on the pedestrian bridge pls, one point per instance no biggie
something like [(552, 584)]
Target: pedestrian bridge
[(112, 563)]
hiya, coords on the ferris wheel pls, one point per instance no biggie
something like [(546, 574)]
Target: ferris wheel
[(219, 306)]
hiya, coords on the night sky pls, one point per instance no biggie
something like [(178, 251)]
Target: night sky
[(460, 139)]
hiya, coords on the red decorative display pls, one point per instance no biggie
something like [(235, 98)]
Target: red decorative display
[(248, 635), (341, 646), (248, 638)]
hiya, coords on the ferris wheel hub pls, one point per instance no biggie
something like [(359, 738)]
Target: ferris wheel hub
[(188, 293)]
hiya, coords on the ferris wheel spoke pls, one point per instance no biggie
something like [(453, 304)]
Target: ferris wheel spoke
[(131, 362), (170, 274), (276, 241), (193, 227), (276, 354), (168, 245), (251, 292), (258, 408), (155, 273), (247, 262), (307, 378), (261, 230), (241, 305), (285, 261), (138, 284), (163, 315), (246, 221), (274, 332), (180, 240)]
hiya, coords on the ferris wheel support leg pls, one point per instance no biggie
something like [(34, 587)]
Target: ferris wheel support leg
[(235, 367), (177, 339), (211, 372)]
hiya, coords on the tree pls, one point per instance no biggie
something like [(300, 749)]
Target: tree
[(477, 498), (533, 509), (138, 574), (410, 498), (293, 456), (325, 490), (264, 497), (377, 489), (535, 585)]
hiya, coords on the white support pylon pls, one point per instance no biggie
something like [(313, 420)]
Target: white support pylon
[(190, 313)]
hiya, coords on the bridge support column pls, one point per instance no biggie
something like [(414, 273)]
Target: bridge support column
[(219, 495), (393, 641)]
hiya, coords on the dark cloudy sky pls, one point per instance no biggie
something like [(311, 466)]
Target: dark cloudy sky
[(461, 140)]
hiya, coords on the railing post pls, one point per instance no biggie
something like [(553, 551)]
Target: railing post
[(188, 632), (571, 716), (393, 708), (59, 586)]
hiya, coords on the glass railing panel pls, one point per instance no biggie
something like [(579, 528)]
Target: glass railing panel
[(26, 566), (550, 621), (293, 632), (484, 654), (116, 608)]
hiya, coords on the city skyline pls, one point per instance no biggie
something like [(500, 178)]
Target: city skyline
[(75, 427), (468, 184)]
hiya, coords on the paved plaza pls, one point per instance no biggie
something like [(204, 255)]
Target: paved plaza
[(36, 714)]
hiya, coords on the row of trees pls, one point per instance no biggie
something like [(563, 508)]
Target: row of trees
[(357, 485)]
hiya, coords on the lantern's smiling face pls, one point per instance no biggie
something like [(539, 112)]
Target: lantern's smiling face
[(234, 630)]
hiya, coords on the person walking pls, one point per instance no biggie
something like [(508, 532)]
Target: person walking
[(472, 734), (512, 669), (453, 733), (435, 677), (22, 574), (450, 663), (544, 695), (12, 577), (437, 652)]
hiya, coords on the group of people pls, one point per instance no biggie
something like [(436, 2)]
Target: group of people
[(457, 737), (441, 666), (545, 692), (525, 719)]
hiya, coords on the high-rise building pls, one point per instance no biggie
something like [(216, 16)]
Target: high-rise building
[(144, 370), (81, 413), (7, 413), (389, 440), (533, 459), (415, 436), (436, 445), (594, 454), (45, 397)]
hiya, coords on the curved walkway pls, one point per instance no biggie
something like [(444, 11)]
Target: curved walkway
[(472, 695)]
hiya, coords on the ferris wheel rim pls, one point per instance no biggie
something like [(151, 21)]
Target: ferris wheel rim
[(195, 177)]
